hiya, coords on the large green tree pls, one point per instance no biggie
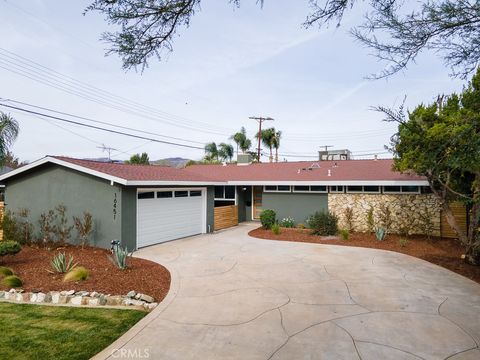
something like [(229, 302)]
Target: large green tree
[(211, 152), (243, 142), (139, 159), (225, 152), (441, 141), (268, 137), (9, 130), (396, 30)]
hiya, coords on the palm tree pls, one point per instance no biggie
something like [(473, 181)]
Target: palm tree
[(267, 137), (211, 152), (9, 130), (240, 138), (225, 151), (276, 143)]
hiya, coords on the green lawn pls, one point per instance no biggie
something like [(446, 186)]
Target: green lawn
[(51, 332)]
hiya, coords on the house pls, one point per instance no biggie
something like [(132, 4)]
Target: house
[(142, 205)]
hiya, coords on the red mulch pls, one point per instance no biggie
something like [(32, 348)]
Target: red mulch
[(32, 263), (443, 252)]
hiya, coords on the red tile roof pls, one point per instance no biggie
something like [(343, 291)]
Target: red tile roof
[(131, 172), (345, 170)]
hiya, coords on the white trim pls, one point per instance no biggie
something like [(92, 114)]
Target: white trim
[(171, 183), (204, 204), (224, 198)]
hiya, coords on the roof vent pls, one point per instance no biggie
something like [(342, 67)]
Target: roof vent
[(375, 157), (314, 166), (329, 172)]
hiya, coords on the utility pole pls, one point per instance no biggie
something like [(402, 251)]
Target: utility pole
[(260, 120), (108, 150)]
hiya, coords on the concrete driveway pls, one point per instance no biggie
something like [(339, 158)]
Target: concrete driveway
[(236, 297)]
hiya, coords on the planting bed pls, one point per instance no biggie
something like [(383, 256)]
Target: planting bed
[(443, 252), (32, 265)]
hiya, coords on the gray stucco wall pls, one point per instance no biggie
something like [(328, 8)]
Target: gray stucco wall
[(299, 206), (210, 207), (48, 186), (129, 218)]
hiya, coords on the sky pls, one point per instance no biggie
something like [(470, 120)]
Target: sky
[(230, 64)]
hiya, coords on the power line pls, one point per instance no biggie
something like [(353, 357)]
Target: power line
[(260, 120), (100, 128)]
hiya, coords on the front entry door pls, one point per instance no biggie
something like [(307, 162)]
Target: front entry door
[(257, 201)]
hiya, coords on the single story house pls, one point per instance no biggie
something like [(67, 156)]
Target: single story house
[(142, 205)]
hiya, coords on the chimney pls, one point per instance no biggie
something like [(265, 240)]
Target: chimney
[(244, 159)]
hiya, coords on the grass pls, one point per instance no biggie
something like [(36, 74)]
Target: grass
[(50, 332)]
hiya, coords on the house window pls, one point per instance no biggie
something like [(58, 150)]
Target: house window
[(401, 190), (146, 195), (355, 189), (224, 192), (164, 194), (195, 193), (372, 189), (181, 194), (336, 189), (277, 188), (312, 188)]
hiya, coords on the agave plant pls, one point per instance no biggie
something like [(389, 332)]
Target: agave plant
[(119, 256), (380, 233), (60, 264)]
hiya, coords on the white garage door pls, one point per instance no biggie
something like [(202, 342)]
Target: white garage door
[(168, 214)]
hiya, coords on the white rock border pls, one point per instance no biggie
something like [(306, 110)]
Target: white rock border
[(79, 298)]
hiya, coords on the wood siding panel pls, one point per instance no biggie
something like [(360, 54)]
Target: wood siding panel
[(460, 214), (2, 209), (225, 217)]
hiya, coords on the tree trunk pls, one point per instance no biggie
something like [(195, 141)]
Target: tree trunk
[(472, 253), (276, 154), (271, 155)]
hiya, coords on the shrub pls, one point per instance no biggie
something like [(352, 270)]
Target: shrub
[(268, 218), (323, 223), (84, 227), (62, 230), (120, 257), (10, 226), (301, 226), (370, 221), (380, 233), (12, 281), (404, 217), (60, 264), (426, 222), (78, 273), (344, 234), (16, 226), (385, 217), (5, 271), (25, 227), (287, 222), (348, 214), (276, 229), (403, 242), (8, 247), (47, 226)]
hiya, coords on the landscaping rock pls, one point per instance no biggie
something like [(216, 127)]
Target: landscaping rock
[(131, 294), (94, 294), (12, 291), (76, 300), (147, 298), (114, 300), (48, 298), (2, 294), (55, 296), (19, 297), (137, 296), (33, 297), (81, 293), (40, 297), (69, 292), (93, 301), (150, 306), (102, 300)]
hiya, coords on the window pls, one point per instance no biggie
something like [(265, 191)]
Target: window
[(336, 189), (224, 192), (196, 193), (401, 189), (277, 188), (164, 194), (181, 194), (371, 189), (312, 188), (355, 188), (146, 195)]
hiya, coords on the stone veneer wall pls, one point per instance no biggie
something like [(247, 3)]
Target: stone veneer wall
[(407, 210)]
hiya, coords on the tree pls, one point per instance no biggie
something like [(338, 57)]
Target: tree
[(240, 138), (12, 161), (276, 143), (225, 152), (138, 159), (211, 152), (396, 30), (268, 138), (441, 141), (9, 130)]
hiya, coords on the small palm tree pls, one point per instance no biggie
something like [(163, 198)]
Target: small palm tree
[(9, 130), (225, 151), (211, 152), (276, 143), (240, 138)]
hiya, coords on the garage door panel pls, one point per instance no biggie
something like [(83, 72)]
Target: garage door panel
[(165, 219)]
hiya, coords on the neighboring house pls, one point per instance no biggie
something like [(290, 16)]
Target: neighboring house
[(141, 205)]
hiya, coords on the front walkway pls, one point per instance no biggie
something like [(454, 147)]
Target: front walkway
[(236, 297)]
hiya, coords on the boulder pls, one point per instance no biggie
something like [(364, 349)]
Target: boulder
[(147, 298)]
